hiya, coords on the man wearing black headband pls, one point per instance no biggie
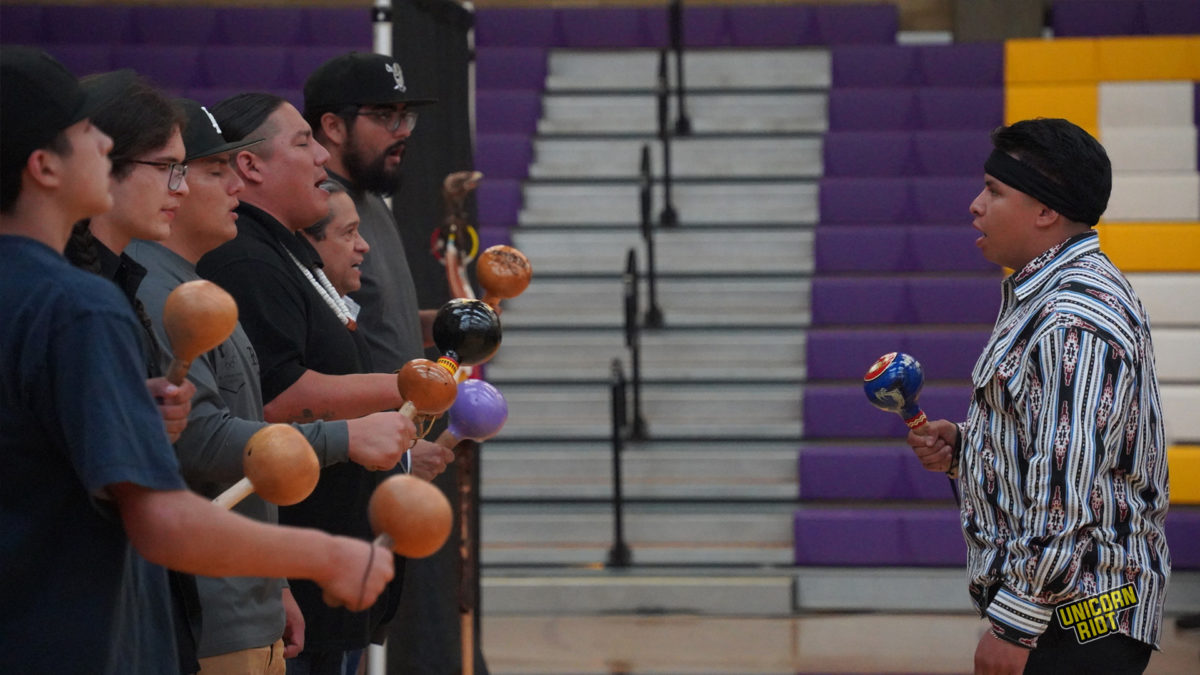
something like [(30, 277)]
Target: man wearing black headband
[(1061, 461)]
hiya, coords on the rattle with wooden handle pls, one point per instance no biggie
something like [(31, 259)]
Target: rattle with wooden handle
[(280, 465), (503, 272), (410, 517), (198, 316)]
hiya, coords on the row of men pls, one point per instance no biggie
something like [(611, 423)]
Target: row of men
[(277, 207)]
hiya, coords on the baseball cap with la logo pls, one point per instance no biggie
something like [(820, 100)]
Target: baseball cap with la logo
[(358, 78)]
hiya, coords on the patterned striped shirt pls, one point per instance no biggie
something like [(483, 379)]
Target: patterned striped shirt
[(1062, 464)]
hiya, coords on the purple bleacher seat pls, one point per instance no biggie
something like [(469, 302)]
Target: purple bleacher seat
[(173, 25), (946, 248), (954, 300), (304, 60), (261, 26), (857, 201), (503, 155), (493, 235), (510, 68), (873, 109), (589, 27), (846, 353), (21, 25), (879, 537), (861, 300), (1183, 536), (705, 26), (856, 24), (507, 111), (841, 301), (846, 536), (874, 66), (171, 67), (861, 248), (210, 96), (961, 65), (882, 248), (771, 26), (960, 108), (840, 472), (944, 200), (517, 27), (951, 153), (1171, 17), (842, 411), (499, 201), (855, 154), (251, 68), (347, 28), (1087, 18), (73, 24), (83, 59)]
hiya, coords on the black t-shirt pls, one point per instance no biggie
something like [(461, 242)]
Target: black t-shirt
[(293, 330)]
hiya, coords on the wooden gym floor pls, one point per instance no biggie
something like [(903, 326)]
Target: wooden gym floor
[(712, 645)]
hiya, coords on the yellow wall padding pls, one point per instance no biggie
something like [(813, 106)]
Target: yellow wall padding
[(1148, 58), (1078, 102), (1183, 461), (1061, 60), (1152, 247)]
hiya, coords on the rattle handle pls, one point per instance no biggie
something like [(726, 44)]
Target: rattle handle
[(178, 370), (384, 540), (234, 494)]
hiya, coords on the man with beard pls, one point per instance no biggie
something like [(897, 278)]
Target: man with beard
[(360, 110)]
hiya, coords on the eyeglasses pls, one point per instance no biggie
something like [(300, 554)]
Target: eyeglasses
[(176, 171), (393, 120)]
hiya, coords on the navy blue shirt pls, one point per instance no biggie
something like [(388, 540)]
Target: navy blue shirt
[(76, 418)]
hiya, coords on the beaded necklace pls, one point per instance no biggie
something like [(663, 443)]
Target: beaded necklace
[(327, 292)]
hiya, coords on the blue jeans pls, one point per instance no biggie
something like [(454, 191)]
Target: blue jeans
[(325, 663)]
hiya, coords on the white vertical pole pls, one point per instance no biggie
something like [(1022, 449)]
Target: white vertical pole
[(381, 20)]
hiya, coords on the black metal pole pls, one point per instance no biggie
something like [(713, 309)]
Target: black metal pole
[(668, 217), (654, 315), (683, 125), (634, 343), (619, 555)]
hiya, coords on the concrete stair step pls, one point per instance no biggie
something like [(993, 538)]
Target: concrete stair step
[(720, 203), (581, 410), (554, 533), (703, 69), (675, 355), (709, 112), (677, 251), (585, 472), (691, 157), (781, 301)]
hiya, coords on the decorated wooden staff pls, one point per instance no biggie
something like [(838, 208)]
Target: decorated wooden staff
[(280, 465), (198, 316)]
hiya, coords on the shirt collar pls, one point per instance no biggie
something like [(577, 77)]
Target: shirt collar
[(1042, 268), (293, 242)]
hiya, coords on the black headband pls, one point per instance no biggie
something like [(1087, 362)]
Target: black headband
[(1020, 176)]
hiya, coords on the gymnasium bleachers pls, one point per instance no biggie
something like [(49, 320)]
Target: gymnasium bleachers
[(894, 264)]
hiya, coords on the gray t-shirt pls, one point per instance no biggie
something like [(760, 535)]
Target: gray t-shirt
[(389, 318), (238, 612)]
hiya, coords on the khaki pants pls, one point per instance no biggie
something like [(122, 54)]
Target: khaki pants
[(257, 661)]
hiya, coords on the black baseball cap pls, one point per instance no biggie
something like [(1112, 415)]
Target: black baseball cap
[(202, 135), (39, 98), (357, 78)]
